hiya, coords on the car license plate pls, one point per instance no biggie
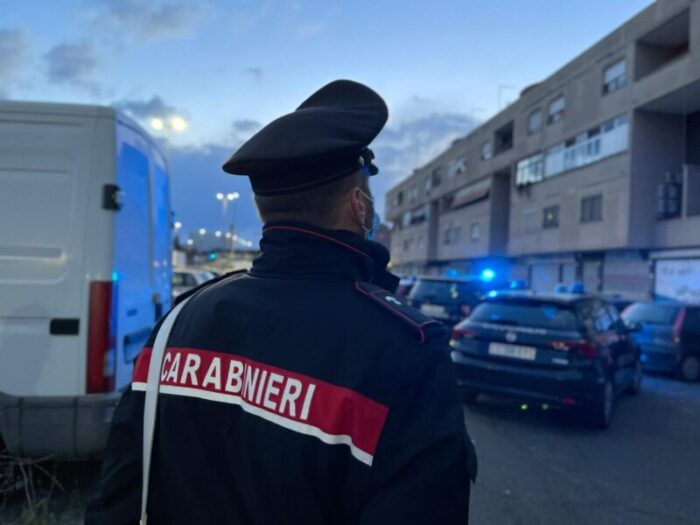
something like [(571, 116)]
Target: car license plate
[(434, 310), (515, 351)]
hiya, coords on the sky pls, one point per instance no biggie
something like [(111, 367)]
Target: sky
[(229, 67)]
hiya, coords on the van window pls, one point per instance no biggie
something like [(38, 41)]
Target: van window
[(651, 313)]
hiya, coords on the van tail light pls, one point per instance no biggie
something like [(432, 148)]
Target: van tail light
[(101, 359), (678, 325), (463, 333), (584, 348)]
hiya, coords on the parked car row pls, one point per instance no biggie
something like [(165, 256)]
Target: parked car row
[(568, 350)]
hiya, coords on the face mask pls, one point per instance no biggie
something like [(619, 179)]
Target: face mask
[(376, 220)]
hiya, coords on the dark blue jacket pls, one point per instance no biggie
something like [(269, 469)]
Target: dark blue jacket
[(300, 392)]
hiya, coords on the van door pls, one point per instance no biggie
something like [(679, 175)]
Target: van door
[(44, 173), (133, 251)]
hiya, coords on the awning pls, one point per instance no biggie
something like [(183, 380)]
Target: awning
[(471, 194)]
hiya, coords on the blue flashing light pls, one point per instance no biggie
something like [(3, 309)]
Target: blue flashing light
[(115, 277), (492, 293), (212, 256), (488, 274)]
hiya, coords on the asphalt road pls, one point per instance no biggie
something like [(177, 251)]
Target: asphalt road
[(539, 467), (535, 467)]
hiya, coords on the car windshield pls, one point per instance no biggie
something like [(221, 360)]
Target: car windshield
[(537, 315), (442, 291), (659, 314)]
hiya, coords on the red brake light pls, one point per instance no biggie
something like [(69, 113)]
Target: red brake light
[(463, 333), (585, 348), (100, 347)]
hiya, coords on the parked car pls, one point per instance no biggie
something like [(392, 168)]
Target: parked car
[(669, 337), (450, 299), (565, 350), (184, 279), (85, 270), (617, 300), (405, 286)]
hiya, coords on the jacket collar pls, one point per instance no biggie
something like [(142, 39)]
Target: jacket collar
[(301, 250)]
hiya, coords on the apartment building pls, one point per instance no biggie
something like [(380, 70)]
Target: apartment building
[(592, 175)]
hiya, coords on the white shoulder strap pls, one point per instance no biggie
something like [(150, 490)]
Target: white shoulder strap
[(151, 400)]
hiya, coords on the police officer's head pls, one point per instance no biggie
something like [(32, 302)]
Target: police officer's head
[(313, 165)]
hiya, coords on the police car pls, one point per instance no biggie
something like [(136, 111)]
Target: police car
[(451, 299)]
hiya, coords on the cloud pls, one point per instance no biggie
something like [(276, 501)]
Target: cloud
[(145, 109), (197, 176), (242, 130), (149, 20), (310, 29), (401, 149), (73, 64), (255, 73), (246, 126), (14, 47)]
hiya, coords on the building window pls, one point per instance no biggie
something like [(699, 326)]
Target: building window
[(456, 167), (503, 138), (556, 110), (592, 209), (600, 142), (486, 150), (452, 235), (615, 76), (534, 121), (529, 170), (475, 231), (413, 194), (550, 217), (436, 176), (428, 185), (417, 216)]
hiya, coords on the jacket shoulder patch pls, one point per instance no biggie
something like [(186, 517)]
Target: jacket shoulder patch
[(420, 322)]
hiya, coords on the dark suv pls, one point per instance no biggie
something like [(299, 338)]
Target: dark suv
[(564, 350), (669, 337), (449, 299)]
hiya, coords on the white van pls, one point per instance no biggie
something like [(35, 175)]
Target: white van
[(85, 251)]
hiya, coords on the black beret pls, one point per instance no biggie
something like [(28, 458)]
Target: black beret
[(326, 138)]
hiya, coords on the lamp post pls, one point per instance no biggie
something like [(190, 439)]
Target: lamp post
[(225, 198), (175, 124)]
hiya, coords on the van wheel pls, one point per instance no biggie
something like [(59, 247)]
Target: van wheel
[(636, 385), (599, 415), (689, 368)]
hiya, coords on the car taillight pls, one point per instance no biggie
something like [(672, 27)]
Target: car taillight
[(100, 348), (462, 333), (678, 325), (585, 348)]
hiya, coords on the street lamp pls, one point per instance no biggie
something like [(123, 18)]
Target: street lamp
[(217, 234), (225, 198), (174, 123), (202, 231), (178, 225)]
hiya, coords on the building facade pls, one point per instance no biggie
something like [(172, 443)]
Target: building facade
[(592, 175)]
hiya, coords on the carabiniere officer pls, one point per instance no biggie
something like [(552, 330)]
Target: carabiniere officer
[(301, 391)]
